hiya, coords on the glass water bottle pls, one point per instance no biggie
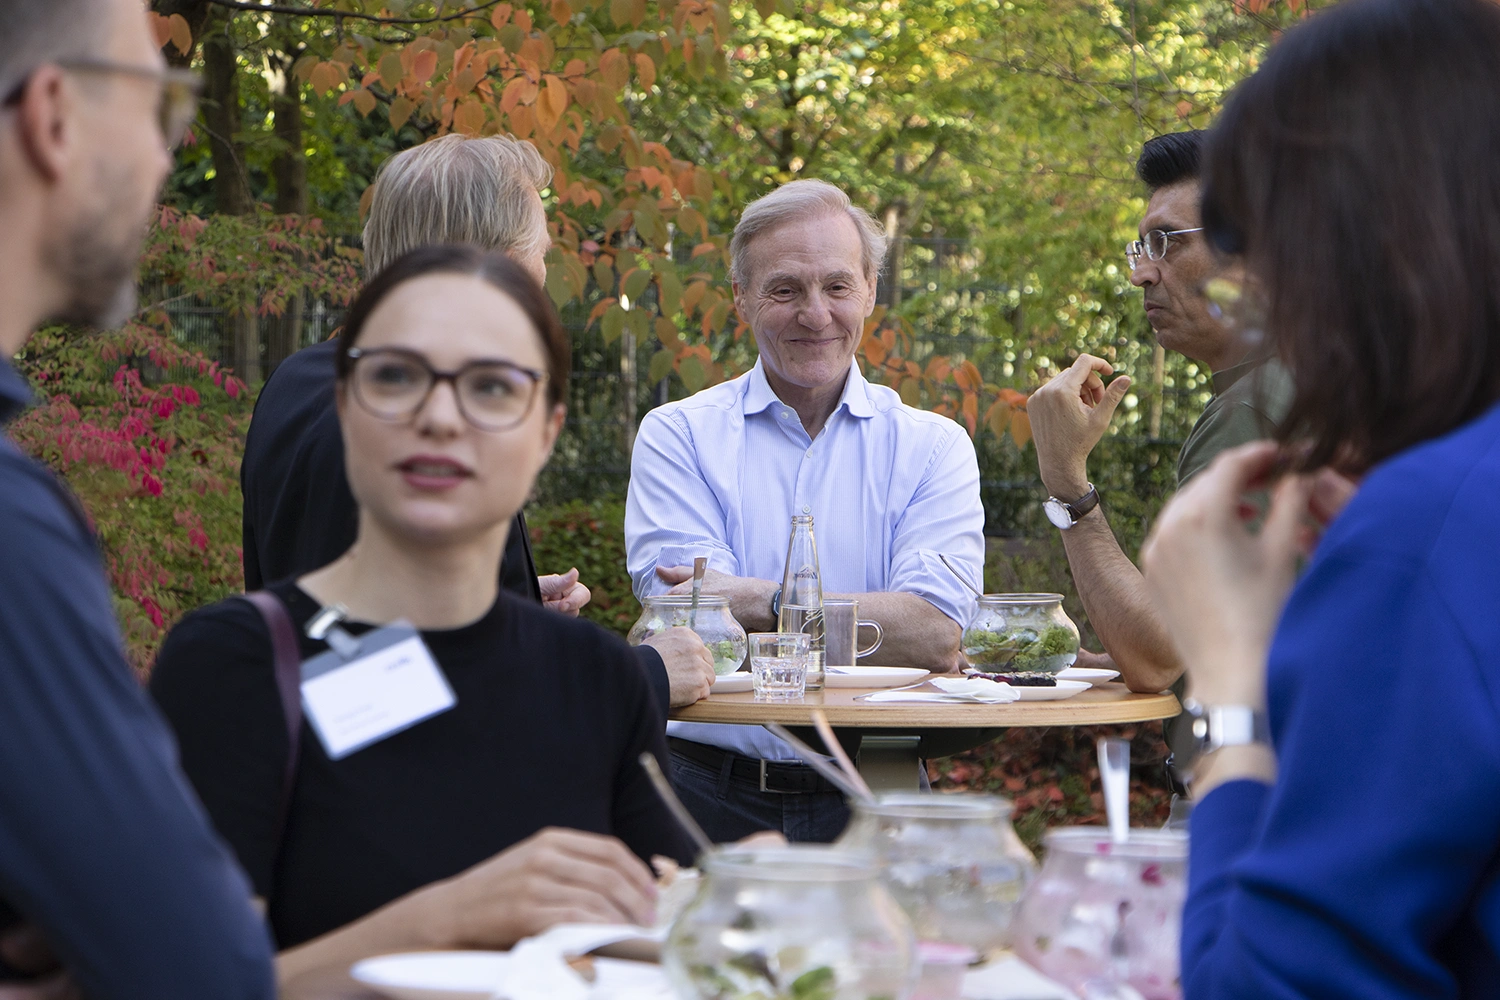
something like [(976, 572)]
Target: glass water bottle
[(802, 595)]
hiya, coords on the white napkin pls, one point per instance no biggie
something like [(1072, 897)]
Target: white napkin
[(975, 690), (538, 965)]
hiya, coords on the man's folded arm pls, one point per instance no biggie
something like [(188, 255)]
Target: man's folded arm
[(944, 518)]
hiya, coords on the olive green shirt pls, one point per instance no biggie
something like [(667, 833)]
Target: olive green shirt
[(1250, 401)]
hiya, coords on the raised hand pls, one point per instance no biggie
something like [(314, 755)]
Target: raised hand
[(1068, 417), (563, 593), (1219, 586)]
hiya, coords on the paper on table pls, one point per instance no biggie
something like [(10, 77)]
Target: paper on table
[(1011, 979), (950, 689)]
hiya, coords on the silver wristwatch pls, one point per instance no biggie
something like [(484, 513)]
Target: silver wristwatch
[(1064, 515), (1218, 726)]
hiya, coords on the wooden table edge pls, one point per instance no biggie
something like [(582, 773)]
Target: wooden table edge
[(1107, 704)]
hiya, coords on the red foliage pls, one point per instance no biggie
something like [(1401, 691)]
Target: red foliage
[(1052, 776)]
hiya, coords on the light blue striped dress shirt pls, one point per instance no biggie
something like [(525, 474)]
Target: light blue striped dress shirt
[(720, 474)]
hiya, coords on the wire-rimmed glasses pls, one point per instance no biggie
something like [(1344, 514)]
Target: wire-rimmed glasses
[(1154, 246), (175, 108), (394, 384)]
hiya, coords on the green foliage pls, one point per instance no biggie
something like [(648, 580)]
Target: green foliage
[(590, 536)]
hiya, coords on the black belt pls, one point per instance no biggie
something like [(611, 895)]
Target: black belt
[(785, 777)]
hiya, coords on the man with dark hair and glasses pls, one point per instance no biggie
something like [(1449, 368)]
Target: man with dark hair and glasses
[(108, 865), (1171, 263)]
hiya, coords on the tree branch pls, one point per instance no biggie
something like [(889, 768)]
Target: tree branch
[(260, 8)]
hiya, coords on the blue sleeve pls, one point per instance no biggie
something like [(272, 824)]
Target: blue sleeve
[(945, 517), (1348, 876), (672, 515), (102, 843)]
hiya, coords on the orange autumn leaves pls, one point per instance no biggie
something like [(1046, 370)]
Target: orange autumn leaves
[(955, 389)]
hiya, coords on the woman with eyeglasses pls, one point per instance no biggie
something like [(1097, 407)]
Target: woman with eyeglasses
[(515, 798)]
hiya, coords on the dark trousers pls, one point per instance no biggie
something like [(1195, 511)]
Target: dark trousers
[(731, 809)]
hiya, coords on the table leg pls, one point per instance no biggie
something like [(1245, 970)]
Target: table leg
[(889, 763)]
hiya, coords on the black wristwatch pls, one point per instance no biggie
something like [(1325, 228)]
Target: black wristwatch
[(776, 605), (1064, 515)]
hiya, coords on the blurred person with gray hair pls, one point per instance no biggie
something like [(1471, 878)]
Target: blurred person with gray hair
[(108, 865), (299, 513), (722, 473)]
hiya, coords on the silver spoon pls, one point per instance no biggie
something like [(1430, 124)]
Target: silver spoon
[(961, 578), (674, 804), (1114, 775), (700, 566)]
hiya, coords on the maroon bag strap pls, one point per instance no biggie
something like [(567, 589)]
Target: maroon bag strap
[(287, 655)]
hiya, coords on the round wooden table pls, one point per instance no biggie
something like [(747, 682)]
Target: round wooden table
[(891, 737)]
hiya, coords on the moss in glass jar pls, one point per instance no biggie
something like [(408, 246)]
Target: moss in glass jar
[(988, 648), (1021, 650), (726, 658)]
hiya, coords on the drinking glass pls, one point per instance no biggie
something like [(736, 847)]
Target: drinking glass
[(1102, 916), (801, 922), (778, 665), (841, 627)]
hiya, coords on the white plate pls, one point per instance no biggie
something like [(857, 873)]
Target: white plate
[(434, 975), (1094, 675), (872, 677), (473, 975), (733, 683), (1064, 689)]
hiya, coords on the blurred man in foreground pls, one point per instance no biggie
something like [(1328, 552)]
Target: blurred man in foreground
[(105, 854)]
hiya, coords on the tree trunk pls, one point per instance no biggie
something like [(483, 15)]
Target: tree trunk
[(284, 332), (221, 118)]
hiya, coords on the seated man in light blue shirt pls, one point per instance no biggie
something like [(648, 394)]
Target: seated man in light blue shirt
[(722, 473)]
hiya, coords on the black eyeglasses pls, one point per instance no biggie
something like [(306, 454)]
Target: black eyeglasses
[(394, 384), (179, 92), (1154, 246)]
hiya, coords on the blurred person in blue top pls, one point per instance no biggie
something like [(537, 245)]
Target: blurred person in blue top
[(1346, 841), (722, 473), (105, 853)]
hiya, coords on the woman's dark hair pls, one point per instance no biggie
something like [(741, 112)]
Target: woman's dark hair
[(494, 268), (1170, 159), (1358, 171)]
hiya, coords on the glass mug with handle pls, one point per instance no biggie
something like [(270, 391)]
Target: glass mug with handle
[(841, 625)]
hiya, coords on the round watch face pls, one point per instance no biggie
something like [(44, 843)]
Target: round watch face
[(1057, 513)]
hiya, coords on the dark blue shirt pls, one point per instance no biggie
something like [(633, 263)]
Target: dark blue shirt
[(102, 843), (1371, 868)]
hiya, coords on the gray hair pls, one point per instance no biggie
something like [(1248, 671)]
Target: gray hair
[(800, 200), (39, 31), (458, 190)]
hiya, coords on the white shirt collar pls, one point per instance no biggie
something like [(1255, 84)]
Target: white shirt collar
[(759, 395)]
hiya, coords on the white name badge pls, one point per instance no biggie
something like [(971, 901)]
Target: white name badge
[(392, 685)]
